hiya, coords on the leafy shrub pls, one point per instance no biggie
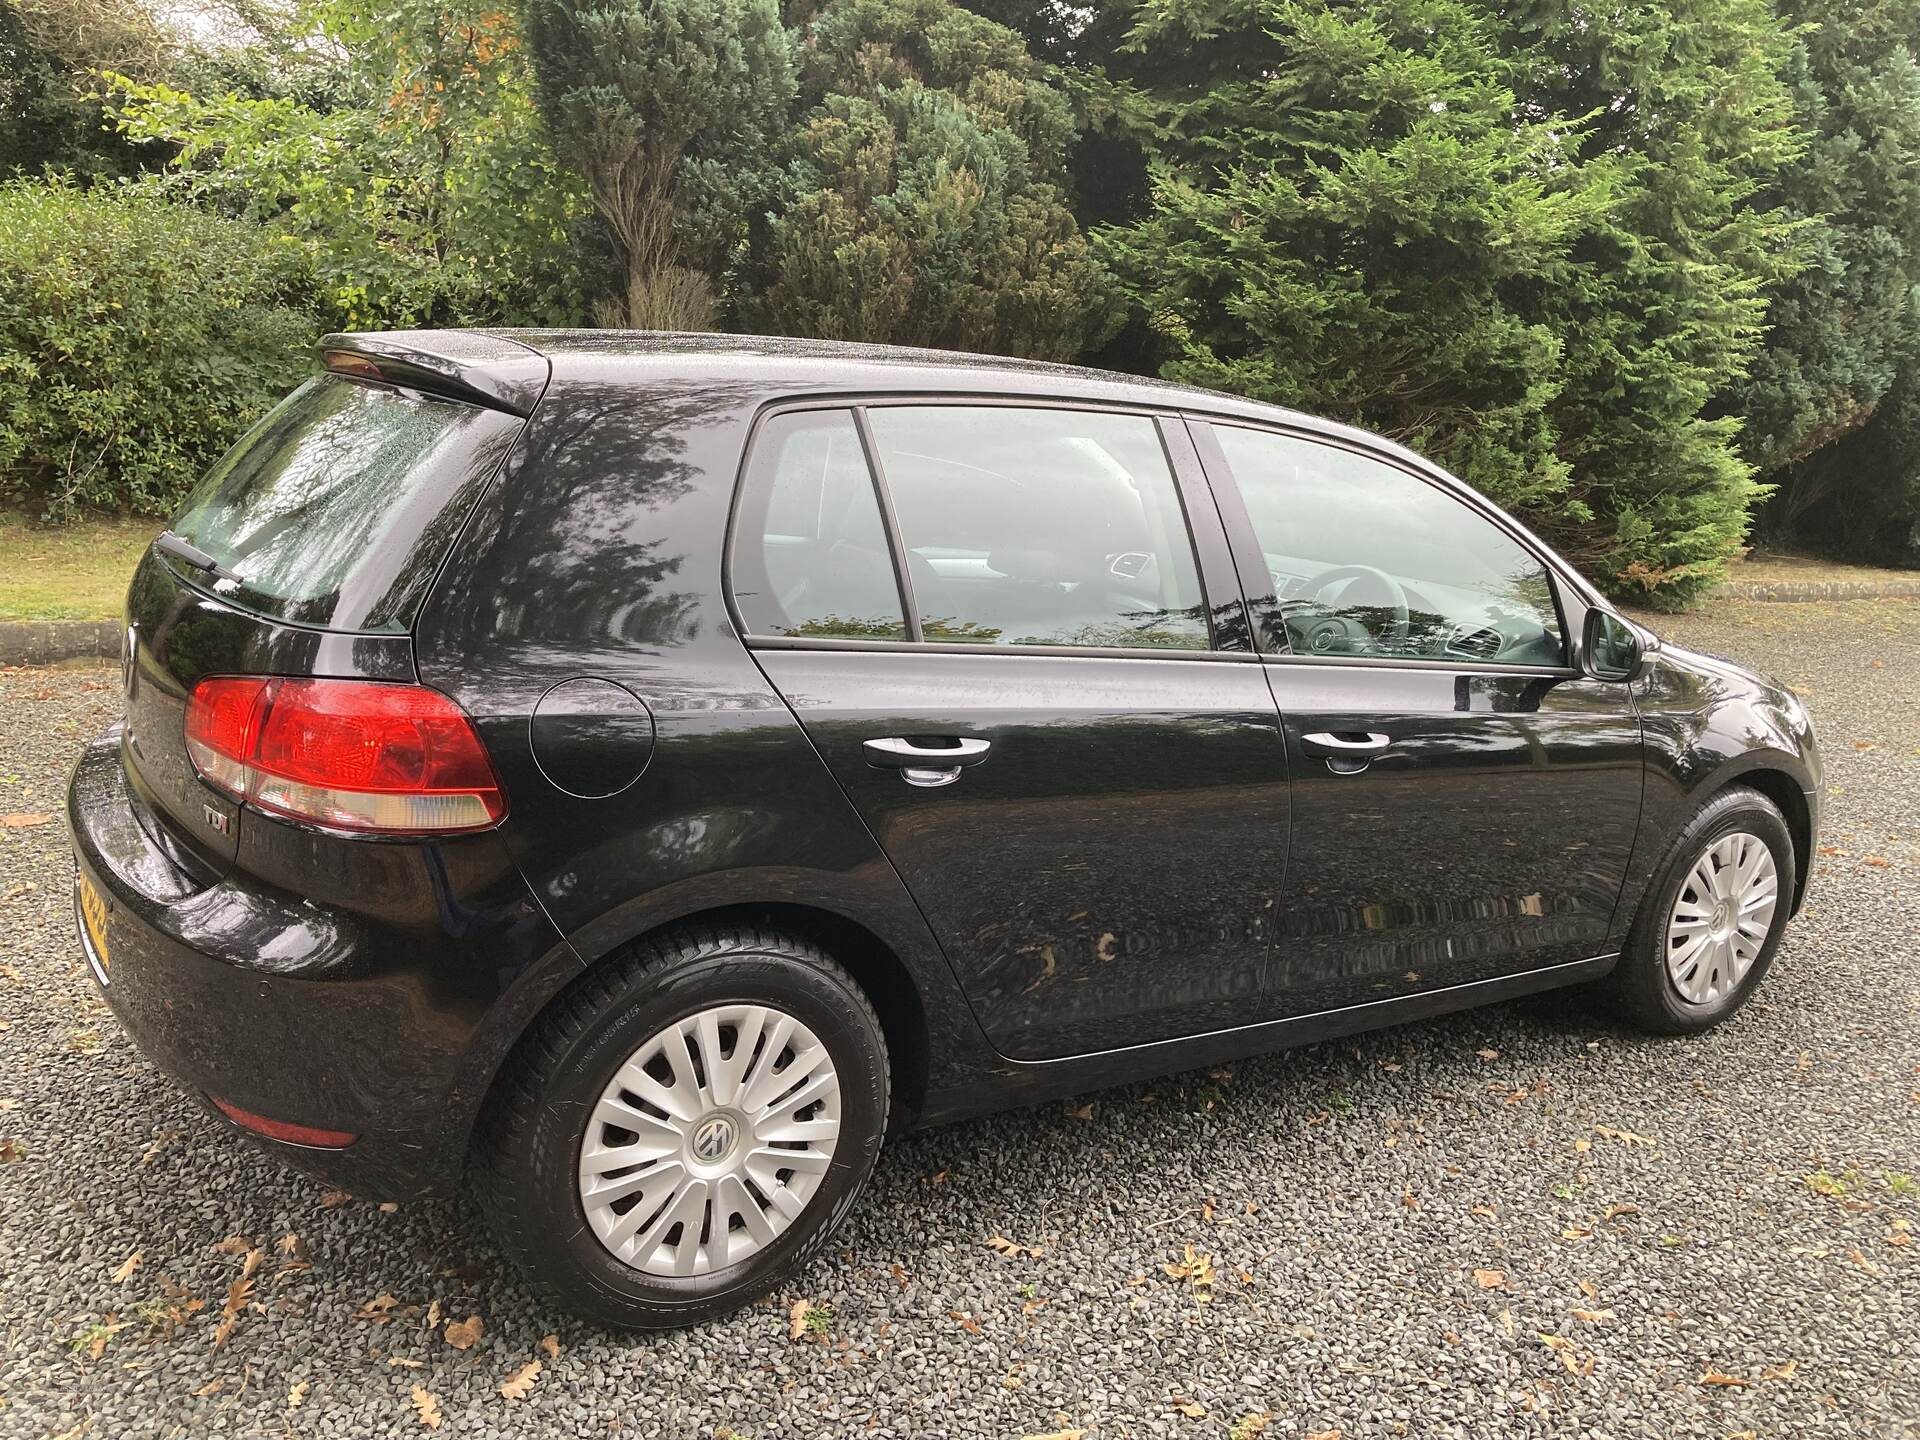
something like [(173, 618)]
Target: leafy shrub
[(138, 339)]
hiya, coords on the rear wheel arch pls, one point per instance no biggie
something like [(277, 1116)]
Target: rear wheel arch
[(885, 980)]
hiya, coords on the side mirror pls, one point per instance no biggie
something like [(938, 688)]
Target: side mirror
[(1612, 647)]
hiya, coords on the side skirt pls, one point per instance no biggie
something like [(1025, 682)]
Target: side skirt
[(1007, 1084)]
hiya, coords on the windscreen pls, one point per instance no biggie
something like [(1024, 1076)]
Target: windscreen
[(336, 509)]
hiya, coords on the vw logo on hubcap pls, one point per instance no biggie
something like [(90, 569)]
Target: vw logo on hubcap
[(713, 1139)]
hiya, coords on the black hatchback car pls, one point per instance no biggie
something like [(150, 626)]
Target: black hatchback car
[(651, 767)]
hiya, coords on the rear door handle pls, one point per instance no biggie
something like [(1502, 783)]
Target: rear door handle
[(1350, 745), (926, 765), (895, 753)]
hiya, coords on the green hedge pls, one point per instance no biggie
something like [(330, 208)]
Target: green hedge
[(138, 338)]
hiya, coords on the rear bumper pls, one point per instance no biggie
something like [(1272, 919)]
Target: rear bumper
[(353, 986)]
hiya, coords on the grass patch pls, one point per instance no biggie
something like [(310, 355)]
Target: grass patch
[(68, 572)]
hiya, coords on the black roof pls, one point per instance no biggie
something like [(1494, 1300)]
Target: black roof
[(503, 362)]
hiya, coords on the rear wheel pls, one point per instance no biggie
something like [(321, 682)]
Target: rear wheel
[(1708, 927), (686, 1127)]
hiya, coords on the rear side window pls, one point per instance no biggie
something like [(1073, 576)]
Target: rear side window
[(810, 552), (336, 509), (1031, 526)]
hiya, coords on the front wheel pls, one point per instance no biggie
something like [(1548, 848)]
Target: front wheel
[(686, 1127), (1708, 927)]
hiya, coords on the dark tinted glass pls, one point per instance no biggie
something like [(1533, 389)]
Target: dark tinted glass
[(337, 508), (1030, 526), (1370, 560), (810, 552)]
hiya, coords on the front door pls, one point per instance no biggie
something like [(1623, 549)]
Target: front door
[(1464, 801), (1085, 793)]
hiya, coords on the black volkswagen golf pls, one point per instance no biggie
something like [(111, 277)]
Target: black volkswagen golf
[(629, 774)]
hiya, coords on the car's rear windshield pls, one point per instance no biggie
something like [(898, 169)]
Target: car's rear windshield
[(336, 509)]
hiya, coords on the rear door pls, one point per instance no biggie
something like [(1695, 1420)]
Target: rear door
[(1013, 634), (327, 523), (1464, 799)]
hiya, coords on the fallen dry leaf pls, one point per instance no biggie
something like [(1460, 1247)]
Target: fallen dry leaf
[(427, 1406), (797, 1318), (1191, 1409), (1782, 1372), (223, 1332), (520, 1384), (123, 1272), (377, 1311), (1489, 1279), (334, 1199), (212, 1387), (1854, 1257), (238, 1294), (465, 1334), (1625, 1137), (296, 1394), (22, 821), (1058, 1435), (1084, 1112), (1714, 1377), (234, 1245), (1323, 1434), (1196, 1269), (251, 1265), (551, 1344), (1593, 1317), (1014, 1248)]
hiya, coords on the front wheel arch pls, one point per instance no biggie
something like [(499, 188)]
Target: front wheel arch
[(1788, 796)]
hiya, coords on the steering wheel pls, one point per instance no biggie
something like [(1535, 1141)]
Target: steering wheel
[(1396, 594)]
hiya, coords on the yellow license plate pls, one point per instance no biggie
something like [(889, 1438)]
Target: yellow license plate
[(93, 915)]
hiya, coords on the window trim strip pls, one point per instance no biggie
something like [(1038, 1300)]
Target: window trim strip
[(890, 523)]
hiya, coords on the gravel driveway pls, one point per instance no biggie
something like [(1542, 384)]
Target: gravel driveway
[(1520, 1221)]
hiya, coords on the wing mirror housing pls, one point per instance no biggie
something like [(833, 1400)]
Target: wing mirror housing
[(1612, 648)]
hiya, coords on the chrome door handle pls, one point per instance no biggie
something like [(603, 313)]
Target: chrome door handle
[(925, 765), (1354, 745)]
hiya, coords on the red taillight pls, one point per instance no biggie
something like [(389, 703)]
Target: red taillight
[(286, 1130), (355, 754)]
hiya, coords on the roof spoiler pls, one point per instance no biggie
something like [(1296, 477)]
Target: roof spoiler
[(488, 370)]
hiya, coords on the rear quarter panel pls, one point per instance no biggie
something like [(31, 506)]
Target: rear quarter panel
[(598, 553)]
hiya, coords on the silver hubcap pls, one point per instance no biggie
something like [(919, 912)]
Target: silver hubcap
[(1722, 917), (710, 1140)]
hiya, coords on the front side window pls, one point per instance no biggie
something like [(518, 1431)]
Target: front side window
[(1368, 560), (810, 553), (1031, 526)]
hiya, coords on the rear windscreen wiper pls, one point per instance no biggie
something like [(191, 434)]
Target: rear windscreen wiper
[(168, 543)]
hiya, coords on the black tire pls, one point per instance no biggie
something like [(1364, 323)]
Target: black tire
[(529, 1147), (1639, 988)]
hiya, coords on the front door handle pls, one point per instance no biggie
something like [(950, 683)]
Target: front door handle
[(926, 765), (1348, 745)]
